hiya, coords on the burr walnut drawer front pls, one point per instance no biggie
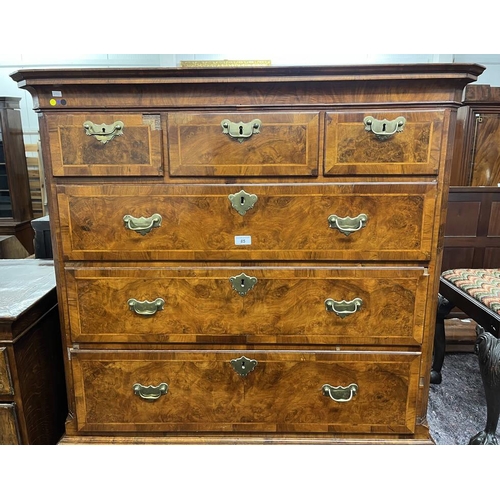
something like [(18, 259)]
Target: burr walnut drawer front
[(6, 387), (245, 391), (355, 222), (376, 142), (254, 305), (105, 144), (243, 144)]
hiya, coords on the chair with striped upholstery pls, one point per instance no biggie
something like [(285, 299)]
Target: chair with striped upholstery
[(476, 292)]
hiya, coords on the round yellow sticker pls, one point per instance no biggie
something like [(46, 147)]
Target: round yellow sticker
[(53, 102)]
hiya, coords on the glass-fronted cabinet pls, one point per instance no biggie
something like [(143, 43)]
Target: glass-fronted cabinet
[(15, 198)]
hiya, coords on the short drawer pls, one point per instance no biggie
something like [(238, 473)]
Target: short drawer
[(376, 142), (6, 386), (9, 428), (248, 305), (105, 144), (348, 222), (243, 144), (279, 391)]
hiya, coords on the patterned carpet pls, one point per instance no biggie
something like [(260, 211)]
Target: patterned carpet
[(457, 406)]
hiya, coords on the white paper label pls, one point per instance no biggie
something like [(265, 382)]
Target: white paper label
[(56, 93), (242, 240)]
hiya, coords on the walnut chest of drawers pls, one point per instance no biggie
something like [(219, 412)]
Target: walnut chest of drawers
[(248, 255)]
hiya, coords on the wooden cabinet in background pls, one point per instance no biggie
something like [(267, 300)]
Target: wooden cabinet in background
[(472, 231), (15, 198), (476, 157), (33, 403)]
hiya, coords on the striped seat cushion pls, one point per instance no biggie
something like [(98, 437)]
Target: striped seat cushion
[(481, 284)]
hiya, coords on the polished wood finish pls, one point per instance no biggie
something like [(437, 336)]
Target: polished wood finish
[(286, 145), (286, 305), (288, 222), (33, 405), (476, 158), (351, 150), (15, 199), (311, 159), (73, 153), (281, 395)]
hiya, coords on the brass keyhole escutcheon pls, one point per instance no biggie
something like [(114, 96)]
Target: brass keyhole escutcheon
[(103, 133), (242, 283), (240, 131), (242, 201), (243, 365), (384, 129)]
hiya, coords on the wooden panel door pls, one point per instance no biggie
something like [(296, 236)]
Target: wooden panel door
[(485, 169)]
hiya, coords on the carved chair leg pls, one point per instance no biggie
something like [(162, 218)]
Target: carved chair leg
[(443, 309), (487, 348)]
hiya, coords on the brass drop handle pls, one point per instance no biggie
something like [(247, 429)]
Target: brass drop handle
[(340, 394), (343, 308), (103, 133), (150, 392), (240, 130), (384, 129), (142, 225), (146, 308), (347, 225)]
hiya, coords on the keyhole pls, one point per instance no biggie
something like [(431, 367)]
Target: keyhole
[(103, 129), (242, 282), (241, 130), (243, 365), (383, 127), (242, 201)]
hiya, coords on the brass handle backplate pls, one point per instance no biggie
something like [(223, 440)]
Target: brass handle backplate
[(243, 366), (242, 201), (339, 393), (384, 129), (343, 308), (347, 225), (242, 283), (150, 392), (146, 308), (104, 133), (241, 130), (142, 225)]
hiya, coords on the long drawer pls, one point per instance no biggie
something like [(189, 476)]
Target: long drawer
[(247, 304), (245, 391), (349, 222)]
